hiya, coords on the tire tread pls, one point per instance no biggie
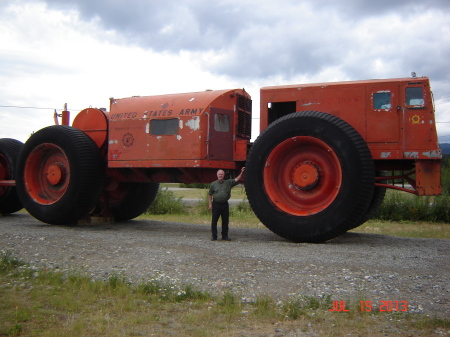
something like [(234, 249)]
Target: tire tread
[(275, 133)]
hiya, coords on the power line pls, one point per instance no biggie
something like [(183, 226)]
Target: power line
[(26, 107), (32, 107)]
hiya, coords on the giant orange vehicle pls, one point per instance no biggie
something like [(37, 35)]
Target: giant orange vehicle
[(325, 155)]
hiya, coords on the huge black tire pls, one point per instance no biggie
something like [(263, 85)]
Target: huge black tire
[(60, 175), (9, 151), (132, 199), (310, 177), (375, 204)]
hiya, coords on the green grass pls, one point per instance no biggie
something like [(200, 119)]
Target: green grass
[(401, 228), (401, 214), (166, 203), (399, 206), (51, 303), (410, 229), (237, 192)]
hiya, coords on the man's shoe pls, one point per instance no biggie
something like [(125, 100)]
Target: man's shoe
[(213, 239), (226, 238)]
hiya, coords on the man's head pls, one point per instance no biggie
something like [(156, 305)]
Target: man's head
[(220, 175)]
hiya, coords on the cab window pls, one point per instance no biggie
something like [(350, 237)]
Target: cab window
[(221, 123), (414, 96), (160, 127), (382, 100)]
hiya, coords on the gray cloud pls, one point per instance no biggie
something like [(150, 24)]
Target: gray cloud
[(258, 39), (358, 9), (163, 25)]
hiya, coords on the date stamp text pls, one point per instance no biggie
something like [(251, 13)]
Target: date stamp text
[(367, 306)]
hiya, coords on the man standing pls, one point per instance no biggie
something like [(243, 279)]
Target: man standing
[(219, 194)]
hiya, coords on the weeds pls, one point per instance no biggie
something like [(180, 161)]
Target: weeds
[(166, 202), (229, 305), (163, 288), (194, 185), (202, 206), (400, 207), (265, 307), (52, 303), (298, 305), (15, 330), (8, 262), (242, 208)]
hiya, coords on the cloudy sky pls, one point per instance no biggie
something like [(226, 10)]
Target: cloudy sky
[(82, 52)]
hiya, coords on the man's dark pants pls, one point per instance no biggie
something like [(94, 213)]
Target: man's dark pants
[(220, 209)]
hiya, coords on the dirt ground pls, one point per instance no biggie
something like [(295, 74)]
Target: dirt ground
[(354, 266)]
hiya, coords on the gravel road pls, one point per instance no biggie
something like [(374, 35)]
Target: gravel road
[(353, 266)]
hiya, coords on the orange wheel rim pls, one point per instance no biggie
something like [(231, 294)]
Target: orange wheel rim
[(47, 173), (302, 176)]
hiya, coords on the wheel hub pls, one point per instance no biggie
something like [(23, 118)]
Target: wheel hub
[(306, 176), (55, 174)]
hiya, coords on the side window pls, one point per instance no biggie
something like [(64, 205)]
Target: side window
[(221, 123), (382, 100), (414, 96), (160, 127)]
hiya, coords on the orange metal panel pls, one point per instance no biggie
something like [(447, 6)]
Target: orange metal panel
[(94, 123), (168, 130), (428, 177), (343, 100), (240, 151), (396, 130), (174, 163)]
